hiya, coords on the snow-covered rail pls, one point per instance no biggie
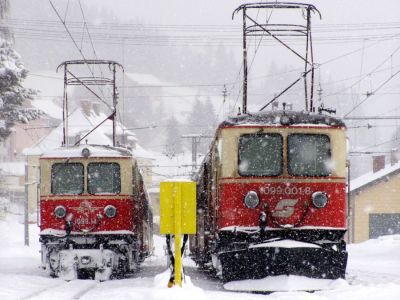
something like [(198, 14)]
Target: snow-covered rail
[(64, 290)]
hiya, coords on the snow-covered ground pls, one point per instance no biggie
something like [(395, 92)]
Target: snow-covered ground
[(373, 273)]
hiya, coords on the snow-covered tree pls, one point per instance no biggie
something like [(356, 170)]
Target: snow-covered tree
[(12, 93), (4, 6), (202, 121), (173, 143)]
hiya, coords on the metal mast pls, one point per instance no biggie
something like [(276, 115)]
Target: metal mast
[(253, 28), (71, 79)]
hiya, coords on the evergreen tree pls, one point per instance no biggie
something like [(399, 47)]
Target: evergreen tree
[(4, 8), (173, 143), (208, 125), (201, 121), (12, 93)]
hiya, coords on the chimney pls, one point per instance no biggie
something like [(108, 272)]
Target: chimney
[(86, 106), (393, 157), (378, 163), (96, 108)]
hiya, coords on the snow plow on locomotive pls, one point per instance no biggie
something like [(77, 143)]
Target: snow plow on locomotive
[(95, 218), (272, 197)]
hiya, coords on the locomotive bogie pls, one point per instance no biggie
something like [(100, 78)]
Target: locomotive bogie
[(66, 264)]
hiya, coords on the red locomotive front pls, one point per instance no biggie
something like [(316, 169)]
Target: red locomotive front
[(94, 214), (272, 197)]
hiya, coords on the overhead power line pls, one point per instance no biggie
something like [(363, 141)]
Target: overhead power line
[(76, 45), (372, 93), (389, 57), (190, 35), (214, 27)]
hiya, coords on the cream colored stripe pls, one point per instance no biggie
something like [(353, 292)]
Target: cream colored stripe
[(283, 180), (83, 197)]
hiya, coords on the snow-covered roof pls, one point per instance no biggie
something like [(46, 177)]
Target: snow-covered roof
[(180, 99), (292, 118), (48, 106), (371, 177), (50, 86), (145, 79), (94, 150), (80, 123), (107, 127), (140, 152), (13, 168)]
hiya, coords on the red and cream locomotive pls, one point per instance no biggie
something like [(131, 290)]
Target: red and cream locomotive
[(272, 197), (271, 192), (95, 218)]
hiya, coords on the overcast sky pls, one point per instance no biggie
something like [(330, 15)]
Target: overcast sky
[(219, 11)]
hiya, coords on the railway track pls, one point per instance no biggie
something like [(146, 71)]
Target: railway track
[(64, 290)]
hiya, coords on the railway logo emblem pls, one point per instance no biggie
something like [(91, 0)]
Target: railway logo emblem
[(285, 208), (86, 206)]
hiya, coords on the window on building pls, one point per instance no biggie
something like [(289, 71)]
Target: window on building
[(383, 224)]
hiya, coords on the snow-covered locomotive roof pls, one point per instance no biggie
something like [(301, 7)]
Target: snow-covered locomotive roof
[(94, 150), (285, 118)]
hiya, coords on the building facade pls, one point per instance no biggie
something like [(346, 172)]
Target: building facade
[(375, 202)]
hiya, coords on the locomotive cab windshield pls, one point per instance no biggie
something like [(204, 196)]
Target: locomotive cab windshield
[(67, 178), (260, 154), (104, 178), (309, 155)]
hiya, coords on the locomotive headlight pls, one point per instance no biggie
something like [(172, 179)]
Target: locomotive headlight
[(319, 199), (85, 152), (285, 120), (110, 211), (60, 211), (251, 199)]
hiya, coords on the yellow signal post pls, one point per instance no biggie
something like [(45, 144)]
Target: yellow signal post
[(178, 215)]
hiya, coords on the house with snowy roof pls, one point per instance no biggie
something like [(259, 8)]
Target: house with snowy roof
[(12, 178), (12, 159), (375, 201), (80, 122)]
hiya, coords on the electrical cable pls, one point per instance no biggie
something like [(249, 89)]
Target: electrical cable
[(73, 40), (372, 93)]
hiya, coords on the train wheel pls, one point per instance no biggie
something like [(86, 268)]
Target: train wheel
[(123, 269)]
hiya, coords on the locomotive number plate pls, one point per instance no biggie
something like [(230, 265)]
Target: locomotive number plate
[(288, 190), (85, 221)]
